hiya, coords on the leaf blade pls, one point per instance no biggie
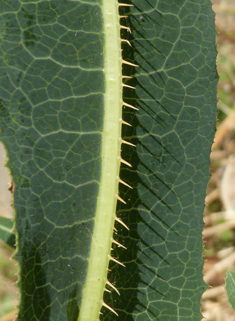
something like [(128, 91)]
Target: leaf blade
[(51, 118), (174, 46), (230, 287), (6, 234)]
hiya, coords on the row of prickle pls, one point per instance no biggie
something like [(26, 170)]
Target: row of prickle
[(122, 141)]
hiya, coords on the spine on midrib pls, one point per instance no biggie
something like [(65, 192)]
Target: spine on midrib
[(92, 295)]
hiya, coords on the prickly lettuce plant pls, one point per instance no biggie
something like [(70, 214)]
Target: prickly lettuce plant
[(107, 112)]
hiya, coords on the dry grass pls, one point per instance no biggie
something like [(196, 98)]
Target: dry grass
[(219, 232)]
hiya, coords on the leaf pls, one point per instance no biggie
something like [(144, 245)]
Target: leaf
[(51, 119), (6, 234), (174, 45), (60, 110), (230, 287)]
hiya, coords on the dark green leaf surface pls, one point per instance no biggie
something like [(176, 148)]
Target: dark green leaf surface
[(51, 91), (51, 114), (174, 45), (6, 234), (230, 287)]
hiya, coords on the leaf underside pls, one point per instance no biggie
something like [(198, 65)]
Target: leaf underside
[(51, 118), (174, 45)]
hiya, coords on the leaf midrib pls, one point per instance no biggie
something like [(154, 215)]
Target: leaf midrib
[(92, 295)]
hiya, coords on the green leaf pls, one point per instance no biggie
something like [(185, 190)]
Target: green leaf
[(6, 234), (51, 119), (230, 287), (174, 45), (61, 98)]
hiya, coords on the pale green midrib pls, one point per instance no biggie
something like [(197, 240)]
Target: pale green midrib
[(5, 229), (92, 295)]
